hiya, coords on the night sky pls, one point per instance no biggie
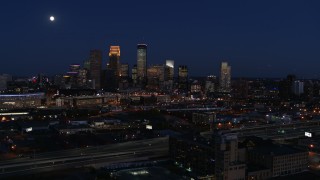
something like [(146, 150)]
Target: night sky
[(259, 38)]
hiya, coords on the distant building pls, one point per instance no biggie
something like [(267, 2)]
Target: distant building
[(141, 63), (134, 75), (124, 70), (210, 84), (169, 69), (183, 77), (155, 76), (225, 77), (114, 60), (74, 73), (74, 68), (169, 75), (86, 64), (4, 79), (82, 78), (298, 87), (95, 68)]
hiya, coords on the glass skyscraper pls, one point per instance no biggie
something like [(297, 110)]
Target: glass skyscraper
[(141, 62), (114, 60), (95, 60), (225, 77)]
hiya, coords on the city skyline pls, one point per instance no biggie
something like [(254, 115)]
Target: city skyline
[(258, 39)]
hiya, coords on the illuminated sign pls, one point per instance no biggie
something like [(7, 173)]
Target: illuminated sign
[(307, 134), (148, 127)]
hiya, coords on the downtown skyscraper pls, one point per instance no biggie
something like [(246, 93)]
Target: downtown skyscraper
[(169, 69), (114, 60), (225, 77), (141, 63), (95, 61)]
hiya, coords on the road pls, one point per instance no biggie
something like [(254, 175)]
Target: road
[(97, 156)]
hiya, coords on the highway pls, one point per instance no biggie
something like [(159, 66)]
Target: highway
[(91, 156)]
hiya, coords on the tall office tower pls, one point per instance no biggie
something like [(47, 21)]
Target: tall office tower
[(225, 77), (74, 68), (4, 79), (183, 77), (155, 76), (228, 164), (298, 87), (169, 69), (86, 64), (141, 62), (124, 70), (114, 60), (82, 78), (210, 84), (73, 73), (95, 68), (134, 74)]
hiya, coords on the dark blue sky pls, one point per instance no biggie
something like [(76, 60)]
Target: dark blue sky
[(259, 38)]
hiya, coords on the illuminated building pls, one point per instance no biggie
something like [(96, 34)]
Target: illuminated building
[(73, 73), (82, 78), (124, 70), (141, 62), (155, 76), (4, 79), (74, 68), (169, 75), (225, 77), (298, 88), (183, 77), (21, 100), (210, 84), (169, 69), (134, 74), (86, 64), (95, 68), (114, 60)]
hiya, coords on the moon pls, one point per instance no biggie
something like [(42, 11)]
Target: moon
[(51, 18)]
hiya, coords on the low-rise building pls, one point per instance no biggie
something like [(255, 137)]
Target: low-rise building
[(281, 160)]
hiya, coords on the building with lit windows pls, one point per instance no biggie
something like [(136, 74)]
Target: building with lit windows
[(141, 63), (95, 60), (114, 60), (298, 87), (227, 157), (169, 69), (124, 70), (4, 79), (21, 100), (183, 77), (155, 76), (225, 77), (134, 74)]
